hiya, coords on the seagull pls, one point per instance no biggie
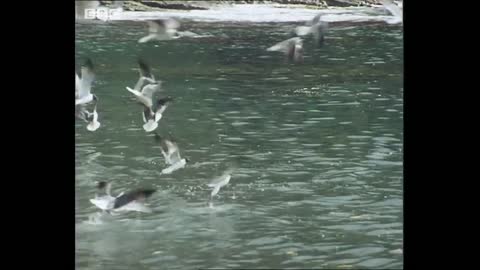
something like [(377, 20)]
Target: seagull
[(90, 117), (219, 182), (395, 10), (151, 116), (171, 155), (316, 27), (292, 48), (147, 91), (83, 84), (131, 201), (166, 29)]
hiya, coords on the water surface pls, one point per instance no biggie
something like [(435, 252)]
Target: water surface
[(318, 149)]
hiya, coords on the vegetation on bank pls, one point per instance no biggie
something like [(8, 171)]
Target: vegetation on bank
[(150, 5)]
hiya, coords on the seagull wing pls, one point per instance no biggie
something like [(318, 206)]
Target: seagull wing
[(82, 113), (171, 24), (145, 70), (77, 85), (286, 45), (150, 89), (173, 151), (303, 30), (162, 104), (394, 9), (315, 19), (86, 80), (156, 27), (163, 29)]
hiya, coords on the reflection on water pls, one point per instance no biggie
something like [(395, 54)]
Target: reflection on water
[(317, 148)]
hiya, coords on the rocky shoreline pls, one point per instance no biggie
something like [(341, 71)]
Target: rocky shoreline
[(152, 5)]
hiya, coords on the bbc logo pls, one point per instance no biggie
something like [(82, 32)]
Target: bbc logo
[(103, 14)]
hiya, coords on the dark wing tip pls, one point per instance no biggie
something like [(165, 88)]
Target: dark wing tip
[(139, 194), (144, 67), (147, 192), (171, 138), (157, 138), (101, 185), (159, 22), (141, 62), (163, 101), (88, 63), (146, 113)]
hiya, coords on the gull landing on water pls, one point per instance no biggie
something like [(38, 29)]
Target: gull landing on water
[(130, 201), (316, 27), (151, 116), (219, 182), (292, 48), (171, 155), (165, 29), (90, 117)]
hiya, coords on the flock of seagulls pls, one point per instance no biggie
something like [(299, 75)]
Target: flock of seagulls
[(153, 108), (293, 47)]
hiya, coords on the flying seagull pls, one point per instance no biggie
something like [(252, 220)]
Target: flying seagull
[(151, 116), (292, 48), (166, 29), (219, 182), (146, 85), (83, 84), (395, 10), (316, 27), (171, 155)]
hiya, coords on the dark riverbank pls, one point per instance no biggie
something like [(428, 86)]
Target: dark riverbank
[(151, 5)]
